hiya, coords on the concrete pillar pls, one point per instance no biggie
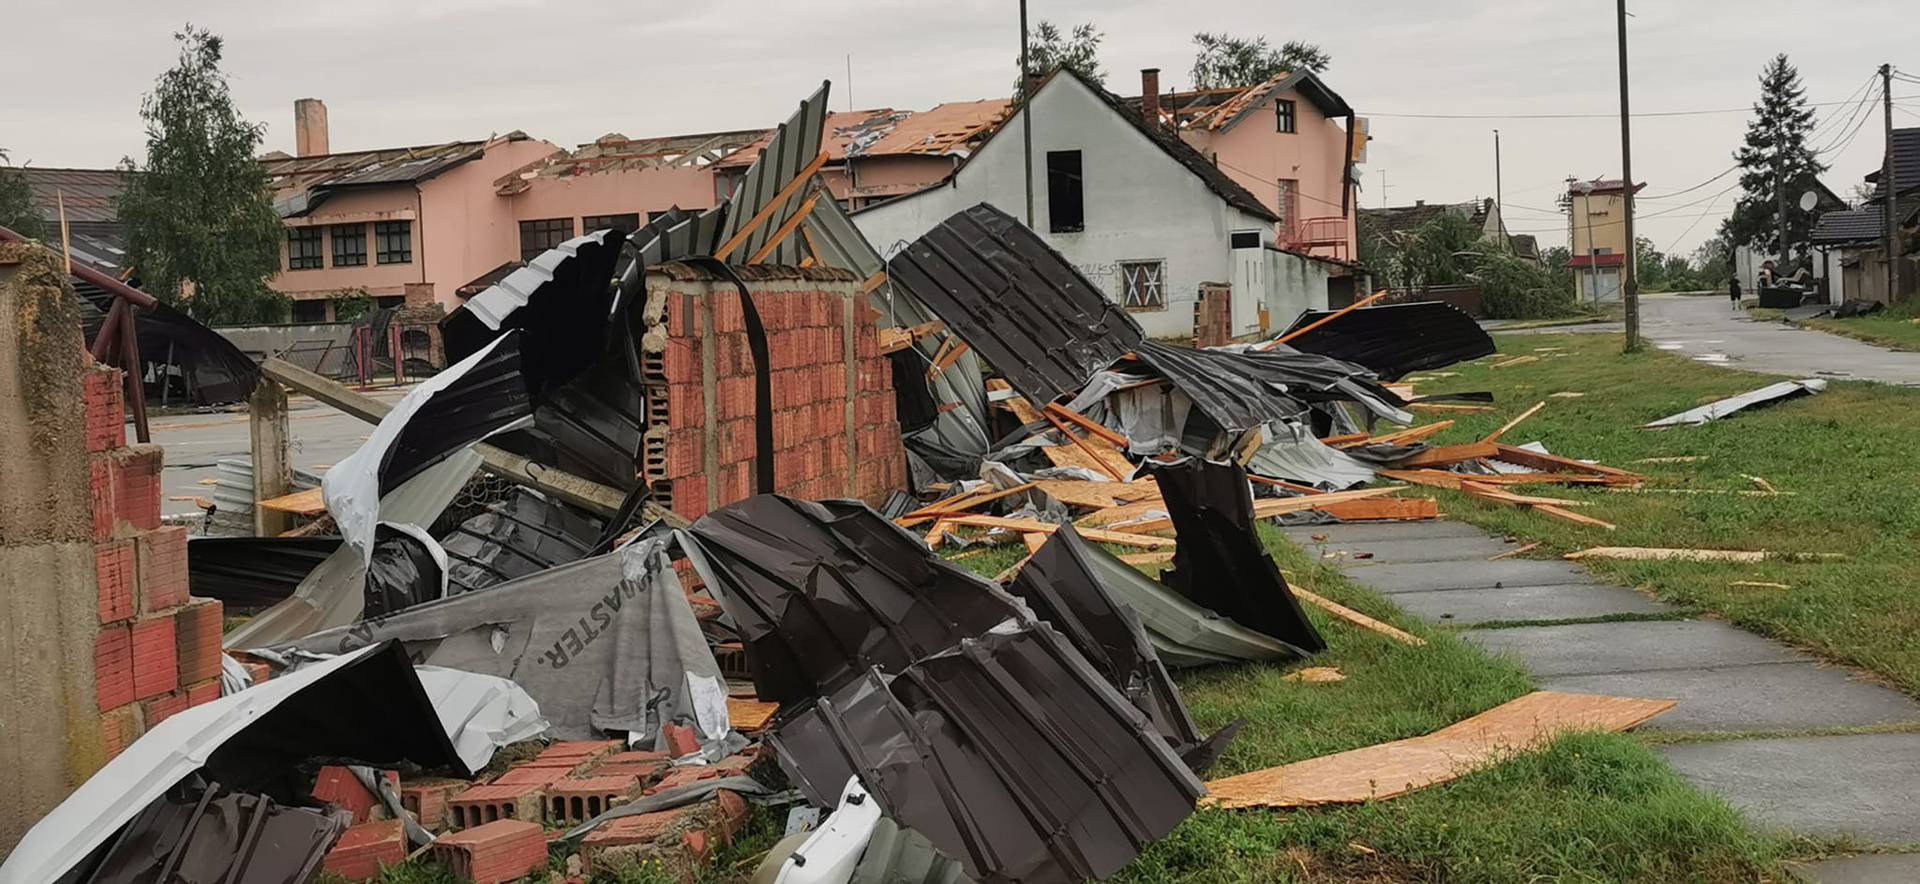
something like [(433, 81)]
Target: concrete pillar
[(309, 127), (50, 738), (272, 473)]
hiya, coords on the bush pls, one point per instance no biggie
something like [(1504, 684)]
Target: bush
[(1515, 288)]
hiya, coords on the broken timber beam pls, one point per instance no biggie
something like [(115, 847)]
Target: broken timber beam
[(1449, 454), (586, 493), (1553, 463)]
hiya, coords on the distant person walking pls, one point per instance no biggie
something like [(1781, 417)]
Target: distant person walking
[(1733, 290)]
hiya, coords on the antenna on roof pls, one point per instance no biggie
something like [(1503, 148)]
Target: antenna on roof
[(849, 82)]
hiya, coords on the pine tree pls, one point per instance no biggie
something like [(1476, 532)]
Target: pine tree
[(1775, 157), (199, 215), (1224, 60)]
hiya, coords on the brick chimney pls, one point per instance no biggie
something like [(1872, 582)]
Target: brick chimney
[(309, 127), (1150, 94)]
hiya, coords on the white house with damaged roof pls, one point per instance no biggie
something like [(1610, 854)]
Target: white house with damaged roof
[(1140, 212)]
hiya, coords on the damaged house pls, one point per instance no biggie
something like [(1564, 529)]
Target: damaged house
[(1161, 226)]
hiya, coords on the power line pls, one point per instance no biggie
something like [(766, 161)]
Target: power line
[(1685, 113)]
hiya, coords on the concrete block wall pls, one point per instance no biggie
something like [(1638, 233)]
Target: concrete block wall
[(158, 648), (835, 433)]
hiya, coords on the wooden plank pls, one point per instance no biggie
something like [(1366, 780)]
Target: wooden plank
[(1324, 320), (1447, 406), (1516, 551), (1099, 495), (750, 715), (1387, 770), (1355, 617), (1384, 509), (1282, 483), (1035, 525), (1407, 436), (1034, 540), (873, 282), (1315, 675), (938, 533), (1517, 360), (1097, 454), (1449, 454), (1350, 439), (779, 199), (962, 502), (1554, 463), (1088, 424), (1496, 434), (1152, 558), (1267, 508), (1660, 554), (948, 356), (1572, 516), (1489, 492), (1125, 512), (301, 503)]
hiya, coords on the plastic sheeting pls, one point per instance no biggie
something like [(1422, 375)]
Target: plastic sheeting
[(604, 644), (1008, 752)]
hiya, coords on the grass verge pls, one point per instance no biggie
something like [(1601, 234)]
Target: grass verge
[(1897, 327), (1591, 807), (1844, 458)]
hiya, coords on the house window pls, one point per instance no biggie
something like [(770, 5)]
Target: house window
[(393, 242), (536, 237), (303, 248), (1285, 116), (1066, 210), (1288, 208), (389, 302), (349, 245), (1143, 285), (1245, 239), (629, 222), (312, 310)]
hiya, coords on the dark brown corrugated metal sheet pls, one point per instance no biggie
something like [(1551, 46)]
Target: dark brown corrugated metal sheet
[(1015, 301), (1242, 390), (1398, 339)]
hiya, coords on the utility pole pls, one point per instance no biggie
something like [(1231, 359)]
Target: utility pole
[(1780, 195), (1630, 294), (1499, 205), (1026, 110), (1891, 189)]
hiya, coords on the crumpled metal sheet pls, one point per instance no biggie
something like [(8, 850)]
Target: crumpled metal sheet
[(1008, 752), (193, 836), (561, 298), (821, 591), (481, 713), (858, 845), (524, 534), (1766, 395), (1219, 562), (1063, 587), (248, 573), (367, 705), (1240, 390), (1396, 340), (604, 644), (331, 594), (1016, 301), (1291, 451)]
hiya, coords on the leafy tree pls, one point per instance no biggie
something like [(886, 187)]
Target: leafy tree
[(199, 218), (1512, 287), (1441, 251), (1775, 156), (16, 201), (1049, 48), (1554, 260), (1225, 61), (1714, 259), (1650, 266)]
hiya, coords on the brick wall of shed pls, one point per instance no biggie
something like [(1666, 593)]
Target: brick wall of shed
[(102, 640), (835, 432)]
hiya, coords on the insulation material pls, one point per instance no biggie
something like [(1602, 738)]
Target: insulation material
[(1008, 752), (607, 644), (821, 591), (1766, 395), (1390, 769)]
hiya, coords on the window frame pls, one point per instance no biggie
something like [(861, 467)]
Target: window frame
[(306, 243), (1286, 116), (334, 239), (383, 231), (1066, 188), (1156, 285), (543, 228), (627, 221)]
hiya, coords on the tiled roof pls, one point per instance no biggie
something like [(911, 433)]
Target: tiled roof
[(1863, 226), (1222, 109), (1389, 220), (1613, 260), (617, 153), (397, 165), (89, 193), (954, 127), (1906, 162)]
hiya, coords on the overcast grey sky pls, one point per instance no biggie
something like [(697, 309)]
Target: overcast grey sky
[(395, 72)]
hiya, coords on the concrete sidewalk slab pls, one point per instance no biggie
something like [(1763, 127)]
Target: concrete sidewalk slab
[(1862, 786), (1763, 696), (1352, 532), (1600, 648), (1392, 552), (1465, 607), (1883, 868), (1478, 574)]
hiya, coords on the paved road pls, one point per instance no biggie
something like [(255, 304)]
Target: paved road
[(319, 437), (1729, 682)]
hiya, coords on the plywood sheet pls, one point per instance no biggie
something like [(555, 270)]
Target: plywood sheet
[(304, 503), (750, 715), (1392, 769)]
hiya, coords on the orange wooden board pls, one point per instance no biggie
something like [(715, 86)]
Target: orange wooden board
[(304, 503), (1392, 769), (750, 715)]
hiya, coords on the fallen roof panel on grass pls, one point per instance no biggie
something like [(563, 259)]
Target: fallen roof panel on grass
[(1766, 395), (1396, 340)]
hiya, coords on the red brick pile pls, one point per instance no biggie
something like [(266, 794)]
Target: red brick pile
[(158, 651), (806, 318)]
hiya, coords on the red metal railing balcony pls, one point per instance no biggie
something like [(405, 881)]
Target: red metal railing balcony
[(1325, 236)]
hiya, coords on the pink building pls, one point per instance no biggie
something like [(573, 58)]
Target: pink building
[(390, 223), (1290, 141)]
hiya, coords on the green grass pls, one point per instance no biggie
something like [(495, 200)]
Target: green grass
[(1895, 327), (1845, 457), (1595, 807)]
